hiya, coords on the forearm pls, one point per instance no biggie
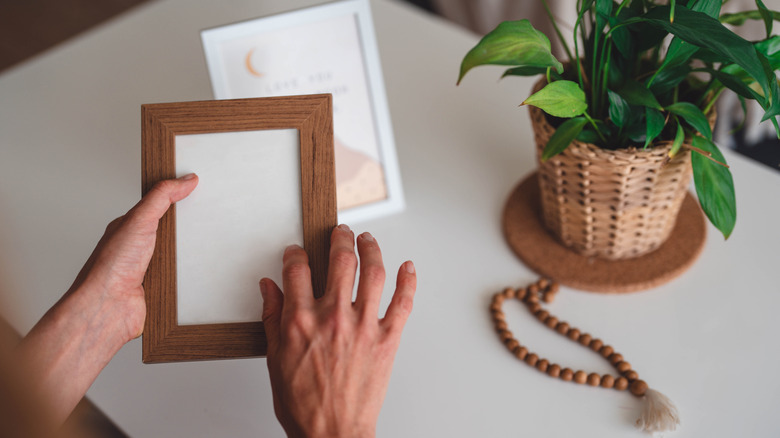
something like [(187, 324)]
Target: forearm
[(63, 354)]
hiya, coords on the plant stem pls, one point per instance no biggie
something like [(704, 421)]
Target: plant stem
[(596, 128), (605, 78), (558, 31), (715, 97), (706, 155)]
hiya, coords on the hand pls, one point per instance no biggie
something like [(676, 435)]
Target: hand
[(117, 266), (330, 359), (103, 309)]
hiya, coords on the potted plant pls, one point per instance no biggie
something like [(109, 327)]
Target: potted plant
[(624, 122)]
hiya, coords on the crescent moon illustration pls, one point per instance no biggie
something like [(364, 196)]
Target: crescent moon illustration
[(248, 63)]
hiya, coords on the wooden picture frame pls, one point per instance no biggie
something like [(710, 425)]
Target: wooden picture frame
[(164, 340)]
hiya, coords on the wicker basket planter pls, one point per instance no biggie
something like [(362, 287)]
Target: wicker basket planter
[(611, 204)]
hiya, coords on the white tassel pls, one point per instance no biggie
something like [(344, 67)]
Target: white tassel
[(658, 413)]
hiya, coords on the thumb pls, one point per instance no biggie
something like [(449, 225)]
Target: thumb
[(273, 300), (155, 203)]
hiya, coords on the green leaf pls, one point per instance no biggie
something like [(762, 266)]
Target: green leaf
[(739, 18), (559, 99), (637, 94), (702, 30), (667, 79), (511, 43), (524, 71), (693, 115), (588, 136), (678, 141), (563, 136), (766, 15), (714, 186), (655, 124), (771, 49), (621, 37), (734, 83), (603, 11), (679, 51), (619, 111)]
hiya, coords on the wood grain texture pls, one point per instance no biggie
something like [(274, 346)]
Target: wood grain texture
[(166, 341)]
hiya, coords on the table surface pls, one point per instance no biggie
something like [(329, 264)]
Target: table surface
[(70, 162)]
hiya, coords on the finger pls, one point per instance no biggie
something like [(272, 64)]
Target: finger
[(147, 213), (273, 302), (296, 278), (372, 275), (342, 266), (401, 305)]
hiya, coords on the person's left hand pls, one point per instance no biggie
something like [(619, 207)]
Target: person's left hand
[(116, 268)]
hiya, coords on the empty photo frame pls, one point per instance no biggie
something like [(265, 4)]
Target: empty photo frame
[(329, 48), (266, 180)]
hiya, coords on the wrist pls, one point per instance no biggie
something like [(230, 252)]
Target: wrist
[(103, 319), (312, 428)]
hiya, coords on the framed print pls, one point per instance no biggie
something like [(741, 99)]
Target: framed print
[(266, 180), (329, 48)]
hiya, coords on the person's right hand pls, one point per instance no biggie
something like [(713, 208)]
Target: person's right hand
[(330, 359)]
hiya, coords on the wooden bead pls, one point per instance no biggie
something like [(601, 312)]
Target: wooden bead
[(551, 322), (543, 283), (580, 377), (499, 316), (623, 366), (509, 293), (596, 344), (607, 381), (548, 297), (606, 350), (554, 287), (501, 325), (638, 388), (531, 359), (585, 339), (567, 374), (573, 334), (621, 383), (520, 352), (534, 307), (631, 375), (531, 299), (505, 335), (542, 365), (511, 344), (562, 327), (542, 314), (520, 294), (594, 379), (614, 358), (533, 289), (495, 306), (554, 370)]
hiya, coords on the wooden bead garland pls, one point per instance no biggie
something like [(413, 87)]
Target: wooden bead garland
[(659, 414)]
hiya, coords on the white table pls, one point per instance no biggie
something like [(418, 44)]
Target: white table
[(70, 162)]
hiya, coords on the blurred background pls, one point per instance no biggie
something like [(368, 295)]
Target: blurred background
[(32, 27)]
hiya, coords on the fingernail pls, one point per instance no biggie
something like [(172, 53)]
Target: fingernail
[(344, 227), (263, 288), (187, 177), (292, 247), (367, 236), (409, 266)]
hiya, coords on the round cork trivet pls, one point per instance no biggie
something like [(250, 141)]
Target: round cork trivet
[(541, 252)]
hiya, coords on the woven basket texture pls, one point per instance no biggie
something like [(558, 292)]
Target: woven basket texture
[(610, 204)]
